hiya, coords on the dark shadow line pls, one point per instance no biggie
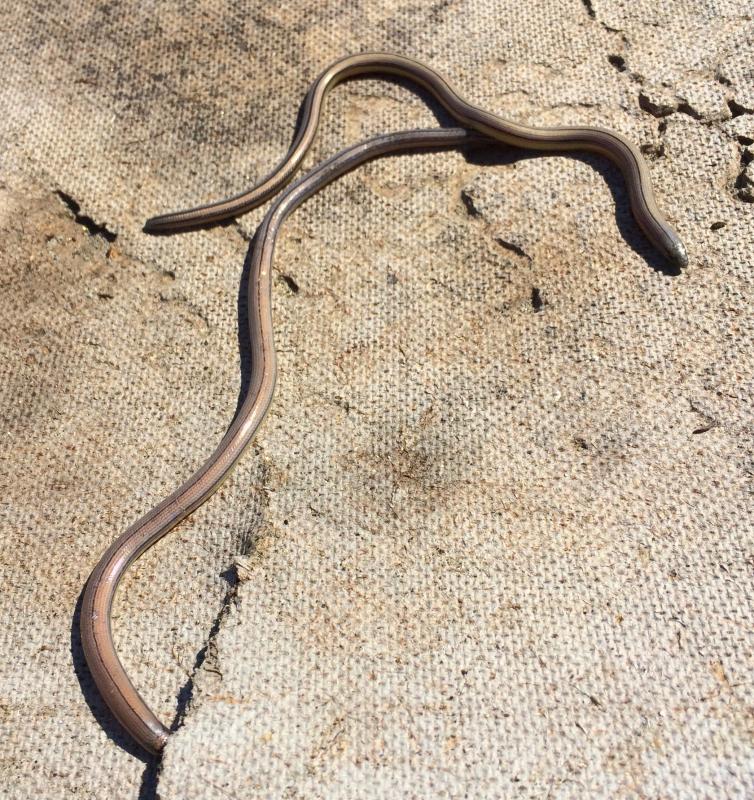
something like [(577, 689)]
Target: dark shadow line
[(199, 226), (149, 780), (243, 331)]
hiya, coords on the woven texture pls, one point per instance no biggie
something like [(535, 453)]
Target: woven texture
[(494, 538)]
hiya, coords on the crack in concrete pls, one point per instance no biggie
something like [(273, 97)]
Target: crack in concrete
[(94, 228), (656, 107), (513, 247), (743, 187), (468, 201), (736, 109), (661, 105), (588, 5), (207, 654), (617, 61), (206, 658)]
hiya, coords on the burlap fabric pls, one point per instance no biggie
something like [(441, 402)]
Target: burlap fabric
[(495, 537)]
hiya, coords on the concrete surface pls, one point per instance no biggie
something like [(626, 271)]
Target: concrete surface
[(495, 537)]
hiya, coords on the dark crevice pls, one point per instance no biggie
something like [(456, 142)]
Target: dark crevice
[(82, 219), (537, 303), (513, 247), (290, 283), (737, 110), (715, 226), (468, 201), (618, 62), (150, 779), (653, 150), (655, 109), (744, 186), (186, 692), (592, 15), (709, 421), (685, 108)]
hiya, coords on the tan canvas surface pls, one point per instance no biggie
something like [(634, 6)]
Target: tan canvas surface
[(495, 537)]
